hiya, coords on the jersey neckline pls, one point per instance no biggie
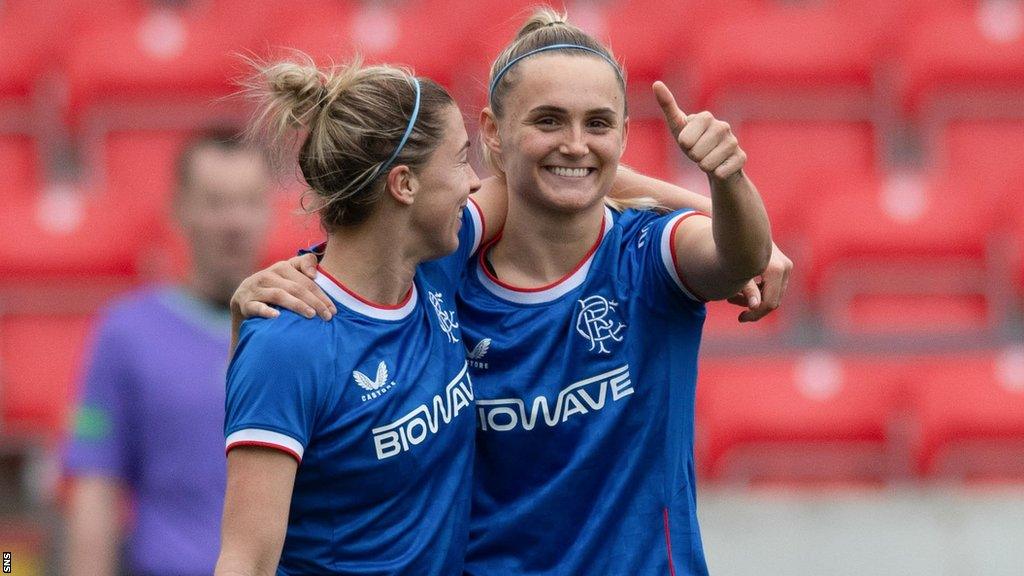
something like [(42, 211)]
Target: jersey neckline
[(356, 303), (549, 292)]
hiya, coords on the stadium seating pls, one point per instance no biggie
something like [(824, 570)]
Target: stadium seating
[(983, 157), (796, 165), (907, 256), (787, 60), (40, 357), (20, 178), (650, 150), (145, 61), (428, 35), (805, 418), (66, 236), (967, 59), (969, 413)]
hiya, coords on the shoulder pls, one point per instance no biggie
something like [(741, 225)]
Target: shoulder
[(129, 314), (288, 339)]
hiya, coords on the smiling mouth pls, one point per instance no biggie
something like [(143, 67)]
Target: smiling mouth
[(570, 172)]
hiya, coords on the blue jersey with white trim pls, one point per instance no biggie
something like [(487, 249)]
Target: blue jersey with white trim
[(585, 401), (377, 406)]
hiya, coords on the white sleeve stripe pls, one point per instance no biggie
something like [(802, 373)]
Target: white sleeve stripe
[(256, 436), (478, 223), (668, 254)]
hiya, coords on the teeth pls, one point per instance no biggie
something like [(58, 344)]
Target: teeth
[(569, 172)]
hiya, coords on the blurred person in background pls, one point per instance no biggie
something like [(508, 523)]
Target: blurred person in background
[(149, 422)]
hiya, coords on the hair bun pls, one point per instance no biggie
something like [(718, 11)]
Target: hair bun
[(542, 18)]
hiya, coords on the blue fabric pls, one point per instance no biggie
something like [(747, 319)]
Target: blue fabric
[(384, 482), (585, 402)]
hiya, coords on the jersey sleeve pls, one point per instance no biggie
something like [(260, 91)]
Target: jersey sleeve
[(470, 234), (273, 387), (99, 441), (654, 260)]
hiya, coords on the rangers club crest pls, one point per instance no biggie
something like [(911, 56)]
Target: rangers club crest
[(598, 322), (445, 317)]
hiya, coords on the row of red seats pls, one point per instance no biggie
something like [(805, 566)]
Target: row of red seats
[(810, 416), (858, 235), (118, 51), (821, 417)]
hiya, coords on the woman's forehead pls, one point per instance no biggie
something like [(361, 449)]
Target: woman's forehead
[(567, 81)]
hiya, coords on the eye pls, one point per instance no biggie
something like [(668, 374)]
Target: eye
[(546, 121), (599, 124)]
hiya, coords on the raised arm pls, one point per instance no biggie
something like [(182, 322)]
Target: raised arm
[(256, 503), (718, 257)]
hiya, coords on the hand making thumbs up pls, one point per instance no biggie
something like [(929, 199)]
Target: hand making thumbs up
[(705, 140)]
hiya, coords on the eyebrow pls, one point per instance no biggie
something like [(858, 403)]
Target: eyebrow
[(547, 109)]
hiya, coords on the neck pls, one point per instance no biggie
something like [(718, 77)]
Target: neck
[(539, 247), (369, 261), (204, 288)]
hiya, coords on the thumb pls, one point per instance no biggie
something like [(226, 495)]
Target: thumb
[(674, 116), (752, 293)]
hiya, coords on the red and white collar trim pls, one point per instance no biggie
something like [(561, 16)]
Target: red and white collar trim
[(360, 305), (552, 291)]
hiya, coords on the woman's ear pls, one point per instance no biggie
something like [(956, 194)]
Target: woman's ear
[(402, 184), (489, 130)]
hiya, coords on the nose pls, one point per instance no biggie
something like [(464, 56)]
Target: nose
[(575, 144), (474, 180)]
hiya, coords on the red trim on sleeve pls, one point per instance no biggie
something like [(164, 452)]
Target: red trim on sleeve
[(675, 258), (668, 544), (291, 453)]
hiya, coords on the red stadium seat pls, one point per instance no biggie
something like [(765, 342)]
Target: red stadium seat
[(20, 178), (650, 150), (41, 356), (793, 60), (812, 418), (798, 164), (138, 66), (904, 257), (969, 412), (984, 156), (964, 60), (71, 237), (29, 44), (428, 35)]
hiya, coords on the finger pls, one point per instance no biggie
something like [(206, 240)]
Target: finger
[(282, 298), (674, 116), (696, 126), (732, 166), (300, 286), (253, 308), (715, 158), (305, 263), (712, 139), (738, 299)]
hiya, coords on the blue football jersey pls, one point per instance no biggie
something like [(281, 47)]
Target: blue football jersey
[(585, 401), (377, 407)]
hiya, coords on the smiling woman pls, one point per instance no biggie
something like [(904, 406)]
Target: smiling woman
[(329, 470), (585, 404)]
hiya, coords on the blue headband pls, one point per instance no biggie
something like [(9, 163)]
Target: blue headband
[(512, 62), (383, 168)]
